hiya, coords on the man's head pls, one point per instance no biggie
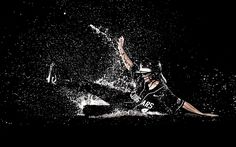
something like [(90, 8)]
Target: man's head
[(148, 70)]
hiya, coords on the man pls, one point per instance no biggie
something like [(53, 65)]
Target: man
[(151, 93)]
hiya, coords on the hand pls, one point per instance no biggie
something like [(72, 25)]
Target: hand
[(120, 43)]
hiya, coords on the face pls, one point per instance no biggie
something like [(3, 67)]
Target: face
[(147, 77)]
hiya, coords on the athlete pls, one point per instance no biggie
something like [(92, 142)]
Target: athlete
[(151, 93)]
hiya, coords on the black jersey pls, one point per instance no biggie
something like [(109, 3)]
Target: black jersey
[(160, 99)]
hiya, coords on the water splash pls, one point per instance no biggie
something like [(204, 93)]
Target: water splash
[(81, 99), (113, 78), (119, 84), (104, 34), (121, 113)]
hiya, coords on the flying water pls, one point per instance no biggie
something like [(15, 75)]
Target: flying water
[(113, 78), (212, 85)]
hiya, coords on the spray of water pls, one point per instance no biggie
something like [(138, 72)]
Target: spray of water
[(113, 78), (81, 99), (121, 113), (104, 34)]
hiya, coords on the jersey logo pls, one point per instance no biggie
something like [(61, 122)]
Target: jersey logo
[(135, 97), (147, 104)]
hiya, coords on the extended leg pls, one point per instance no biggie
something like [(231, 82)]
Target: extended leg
[(187, 106)]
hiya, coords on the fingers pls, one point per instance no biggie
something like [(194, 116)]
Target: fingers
[(121, 38), (120, 41)]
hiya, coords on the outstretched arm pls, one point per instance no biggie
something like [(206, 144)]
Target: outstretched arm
[(125, 58), (187, 106)]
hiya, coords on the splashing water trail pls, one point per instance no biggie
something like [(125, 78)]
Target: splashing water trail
[(213, 85), (81, 99), (113, 78), (105, 34), (114, 84), (120, 113)]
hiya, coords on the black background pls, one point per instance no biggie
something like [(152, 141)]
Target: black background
[(208, 25), (198, 37)]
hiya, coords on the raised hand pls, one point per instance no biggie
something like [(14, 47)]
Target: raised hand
[(120, 43)]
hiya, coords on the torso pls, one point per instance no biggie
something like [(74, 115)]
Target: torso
[(146, 95), (155, 98)]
